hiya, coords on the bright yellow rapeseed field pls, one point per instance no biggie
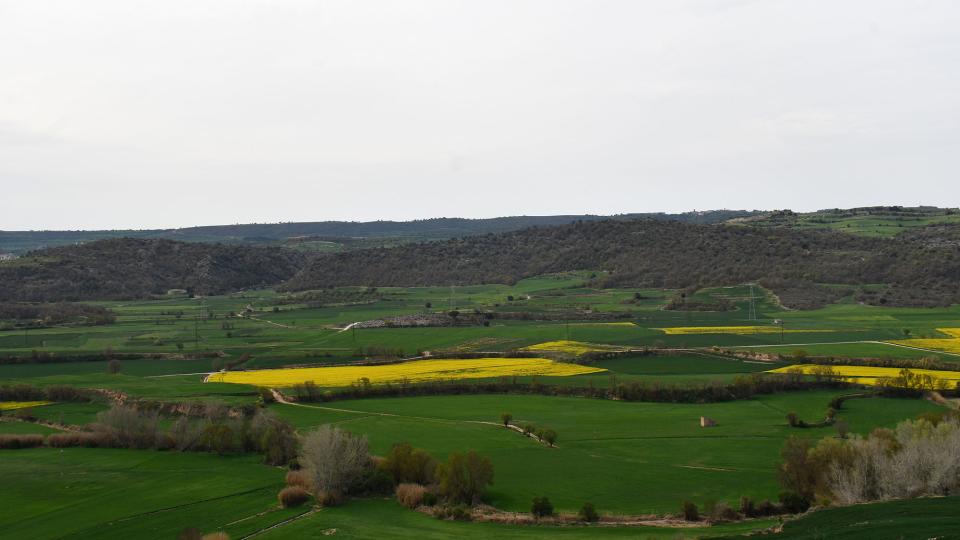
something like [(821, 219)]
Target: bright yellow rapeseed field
[(871, 375), (14, 405), (951, 344), (415, 371), (741, 330), (571, 347)]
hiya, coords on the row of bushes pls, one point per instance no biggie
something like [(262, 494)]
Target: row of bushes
[(27, 392), (742, 387), (46, 357), (13, 441), (721, 511), (124, 426), (544, 435)]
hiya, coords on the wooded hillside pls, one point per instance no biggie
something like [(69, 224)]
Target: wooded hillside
[(806, 268), (126, 268)]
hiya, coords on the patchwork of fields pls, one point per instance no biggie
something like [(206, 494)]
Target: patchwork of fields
[(627, 458)]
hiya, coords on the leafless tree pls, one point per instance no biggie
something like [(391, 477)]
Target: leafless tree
[(334, 459)]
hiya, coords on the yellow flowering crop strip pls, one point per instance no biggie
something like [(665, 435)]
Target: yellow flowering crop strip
[(414, 371), (571, 347), (14, 405), (871, 375), (951, 344), (739, 330)]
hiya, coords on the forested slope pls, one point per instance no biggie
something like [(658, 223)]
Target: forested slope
[(126, 268), (797, 264)]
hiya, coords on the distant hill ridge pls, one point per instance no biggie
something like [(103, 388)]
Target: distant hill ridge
[(256, 233), (805, 267)]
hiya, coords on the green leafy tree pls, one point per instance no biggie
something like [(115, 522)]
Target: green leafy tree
[(588, 513), (542, 507), (464, 478)]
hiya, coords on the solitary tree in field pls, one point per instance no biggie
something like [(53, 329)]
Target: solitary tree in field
[(506, 418), (542, 507), (113, 366), (549, 436)]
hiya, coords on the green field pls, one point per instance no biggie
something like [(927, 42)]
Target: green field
[(88, 493), (607, 449), (917, 518)]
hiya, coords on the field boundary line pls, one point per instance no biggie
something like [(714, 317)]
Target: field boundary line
[(868, 341), (130, 517), (281, 524)]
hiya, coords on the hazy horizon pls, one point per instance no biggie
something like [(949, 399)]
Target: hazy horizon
[(139, 115)]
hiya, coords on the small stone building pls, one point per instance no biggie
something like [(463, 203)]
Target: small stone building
[(707, 422)]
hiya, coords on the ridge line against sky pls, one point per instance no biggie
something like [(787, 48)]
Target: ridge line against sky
[(120, 114), (356, 221)]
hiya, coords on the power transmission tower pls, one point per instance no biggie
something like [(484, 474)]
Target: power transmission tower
[(753, 306)]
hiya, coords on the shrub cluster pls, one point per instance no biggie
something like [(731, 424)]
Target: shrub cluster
[(126, 426), (291, 496), (12, 441), (410, 495), (918, 458)]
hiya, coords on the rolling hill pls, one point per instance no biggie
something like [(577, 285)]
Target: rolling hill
[(805, 267), (125, 268)]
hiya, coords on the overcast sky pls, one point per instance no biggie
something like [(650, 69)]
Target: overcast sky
[(143, 114)]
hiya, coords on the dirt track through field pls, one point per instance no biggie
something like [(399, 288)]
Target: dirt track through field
[(280, 524), (283, 400)]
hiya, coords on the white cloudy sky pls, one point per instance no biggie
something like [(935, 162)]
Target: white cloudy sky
[(128, 113)]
